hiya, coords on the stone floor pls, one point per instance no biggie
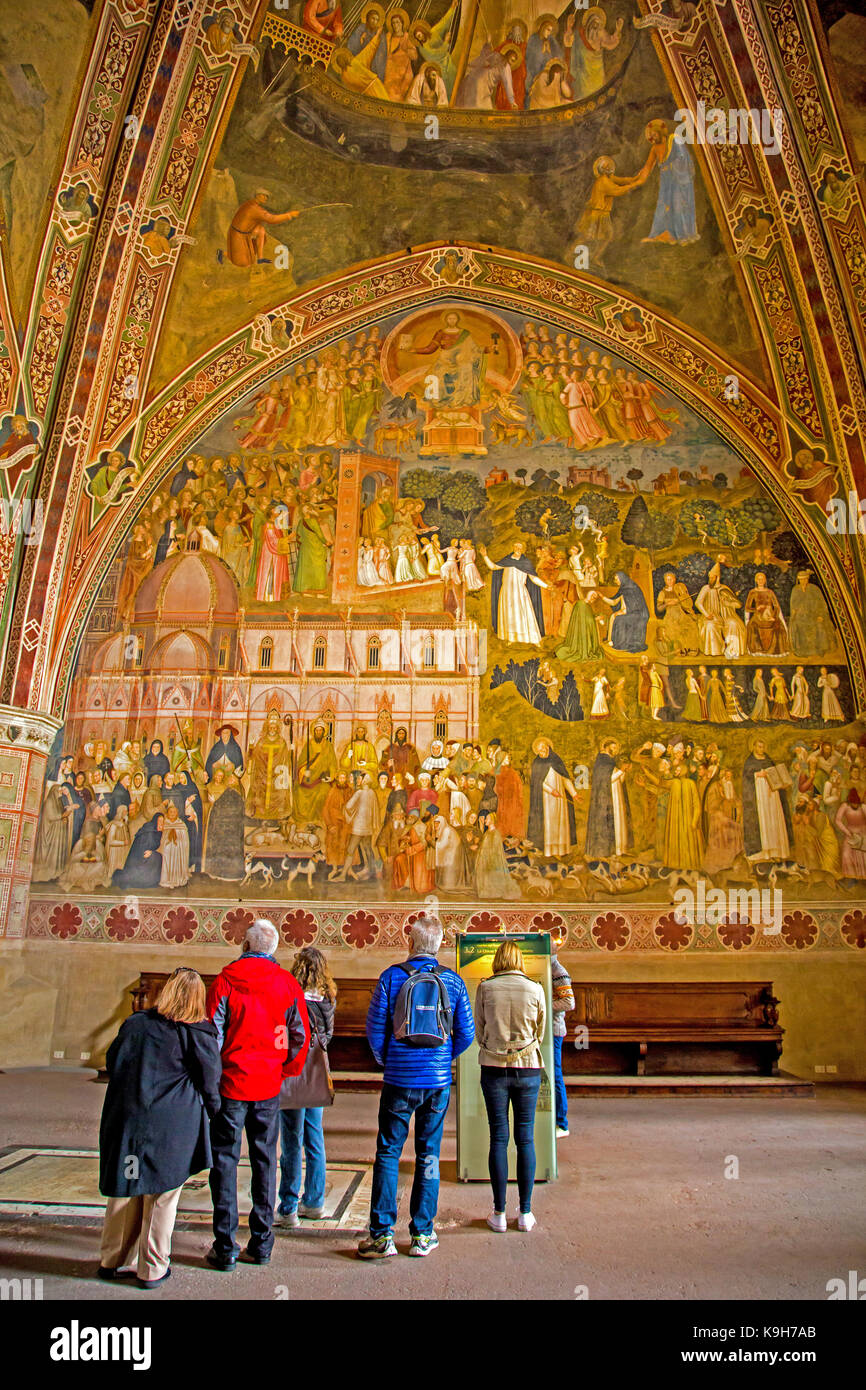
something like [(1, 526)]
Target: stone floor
[(642, 1209)]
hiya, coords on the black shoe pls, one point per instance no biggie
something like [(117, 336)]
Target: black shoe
[(224, 1263), (152, 1283), (104, 1273), (253, 1257)]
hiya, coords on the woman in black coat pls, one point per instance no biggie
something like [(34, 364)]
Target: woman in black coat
[(163, 1085)]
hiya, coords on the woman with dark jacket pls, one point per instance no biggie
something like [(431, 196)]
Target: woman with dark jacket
[(301, 1128), (163, 1085)]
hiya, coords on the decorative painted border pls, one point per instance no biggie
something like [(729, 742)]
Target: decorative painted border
[(607, 929)]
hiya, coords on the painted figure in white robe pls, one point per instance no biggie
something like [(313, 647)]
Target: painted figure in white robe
[(551, 826), (416, 563), (516, 612), (367, 574), (468, 568), (599, 708), (828, 684), (460, 807), (767, 828), (449, 570), (723, 633), (449, 858), (433, 555), (402, 568), (733, 627), (800, 705), (85, 871), (117, 840), (174, 848)]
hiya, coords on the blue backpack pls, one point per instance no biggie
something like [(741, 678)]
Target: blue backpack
[(422, 1011)]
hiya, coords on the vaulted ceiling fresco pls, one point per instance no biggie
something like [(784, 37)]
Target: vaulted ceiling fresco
[(440, 479)]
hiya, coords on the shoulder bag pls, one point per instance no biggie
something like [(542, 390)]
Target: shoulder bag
[(313, 1089)]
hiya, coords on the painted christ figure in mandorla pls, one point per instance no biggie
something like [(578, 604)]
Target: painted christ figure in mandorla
[(457, 367)]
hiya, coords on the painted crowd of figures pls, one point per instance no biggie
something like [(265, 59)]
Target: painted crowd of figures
[(396, 546), (568, 394), (271, 518), (459, 819), (391, 57), (328, 399), (712, 695), (563, 595), (578, 397)]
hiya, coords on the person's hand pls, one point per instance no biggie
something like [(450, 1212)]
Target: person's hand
[(148, 853), (293, 215)]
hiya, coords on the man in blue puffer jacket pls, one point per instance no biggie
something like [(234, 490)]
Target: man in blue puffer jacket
[(417, 1082)]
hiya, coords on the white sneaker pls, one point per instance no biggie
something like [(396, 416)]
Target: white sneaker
[(525, 1221), (496, 1221), (562, 1133)]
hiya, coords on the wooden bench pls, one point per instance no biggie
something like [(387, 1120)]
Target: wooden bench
[(697, 1027), (349, 1050), (694, 1027)]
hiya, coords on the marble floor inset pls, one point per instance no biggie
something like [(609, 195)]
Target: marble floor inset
[(65, 1183)]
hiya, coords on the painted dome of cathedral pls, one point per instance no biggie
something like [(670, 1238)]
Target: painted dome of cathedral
[(188, 588)]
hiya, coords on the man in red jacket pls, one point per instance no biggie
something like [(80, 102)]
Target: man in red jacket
[(264, 1035)]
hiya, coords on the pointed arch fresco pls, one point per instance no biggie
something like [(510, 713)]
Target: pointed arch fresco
[(148, 339), (737, 408)]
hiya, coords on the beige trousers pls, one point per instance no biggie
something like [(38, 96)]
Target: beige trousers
[(145, 1222)]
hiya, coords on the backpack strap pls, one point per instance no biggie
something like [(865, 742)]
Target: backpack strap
[(436, 970)]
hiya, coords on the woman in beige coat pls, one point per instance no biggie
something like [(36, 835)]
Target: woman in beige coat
[(509, 1026)]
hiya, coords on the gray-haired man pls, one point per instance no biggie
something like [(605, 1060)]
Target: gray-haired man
[(264, 1033), (417, 1082)]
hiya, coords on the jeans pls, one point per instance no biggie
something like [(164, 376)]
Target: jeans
[(520, 1086), (259, 1119), (301, 1129), (559, 1085), (396, 1108)]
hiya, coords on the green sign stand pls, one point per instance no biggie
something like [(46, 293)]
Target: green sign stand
[(475, 952)]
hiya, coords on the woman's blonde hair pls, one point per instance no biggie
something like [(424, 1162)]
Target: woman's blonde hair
[(508, 957), (310, 969), (182, 997)]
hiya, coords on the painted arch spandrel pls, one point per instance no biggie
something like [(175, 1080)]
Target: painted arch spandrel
[(460, 605), (38, 72)]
